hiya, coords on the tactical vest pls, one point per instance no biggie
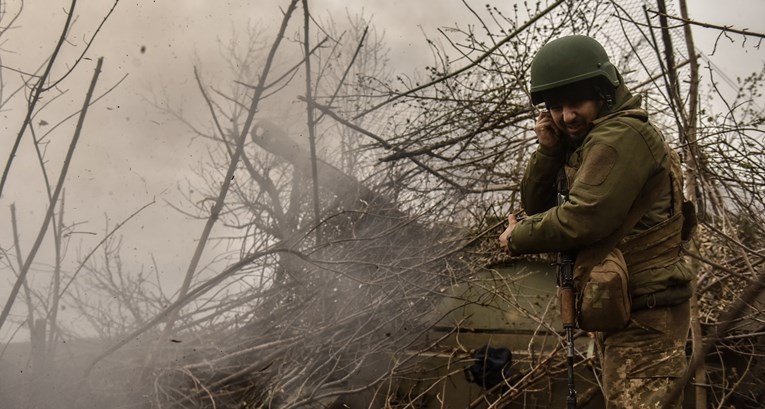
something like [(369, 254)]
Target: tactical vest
[(658, 274), (659, 246)]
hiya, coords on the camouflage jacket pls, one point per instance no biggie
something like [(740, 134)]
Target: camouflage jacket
[(606, 172)]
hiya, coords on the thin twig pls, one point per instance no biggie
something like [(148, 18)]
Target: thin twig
[(88, 43), (20, 261), (347, 70), (727, 29), (35, 98), (99, 245)]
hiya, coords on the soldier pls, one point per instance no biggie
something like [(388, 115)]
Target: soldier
[(596, 131)]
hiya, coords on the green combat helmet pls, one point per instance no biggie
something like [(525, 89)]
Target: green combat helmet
[(567, 60)]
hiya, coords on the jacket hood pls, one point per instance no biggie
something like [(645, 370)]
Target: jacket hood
[(623, 99), (624, 104)]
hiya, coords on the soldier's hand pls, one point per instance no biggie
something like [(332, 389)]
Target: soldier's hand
[(547, 133), (504, 238)]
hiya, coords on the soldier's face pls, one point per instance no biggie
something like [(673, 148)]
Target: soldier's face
[(574, 117)]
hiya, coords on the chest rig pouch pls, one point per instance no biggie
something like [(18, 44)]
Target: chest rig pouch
[(603, 296)]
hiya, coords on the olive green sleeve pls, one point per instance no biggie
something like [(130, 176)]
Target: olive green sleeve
[(538, 190), (616, 163)]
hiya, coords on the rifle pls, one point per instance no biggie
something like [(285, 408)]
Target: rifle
[(566, 294)]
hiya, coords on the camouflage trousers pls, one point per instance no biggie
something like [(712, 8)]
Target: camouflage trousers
[(640, 363)]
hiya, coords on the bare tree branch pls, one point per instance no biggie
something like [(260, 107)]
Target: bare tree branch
[(54, 199)]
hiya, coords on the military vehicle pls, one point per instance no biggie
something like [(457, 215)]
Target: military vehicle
[(497, 341), (494, 341)]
